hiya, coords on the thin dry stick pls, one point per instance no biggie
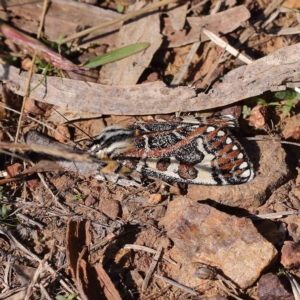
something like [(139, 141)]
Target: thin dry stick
[(147, 249), (151, 268), (294, 284), (28, 220), (212, 68), (121, 19), (18, 245), (27, 92), (226, 290), (174, 283), (42, 21), (37, 274), (196, 6), (273, 140), (67, 155), (276, 215), (41, 176), (214, 38), (25, 97), (39, 122), (184, 67), (155, 295), (44, 292)]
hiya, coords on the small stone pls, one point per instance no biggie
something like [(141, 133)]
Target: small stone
[(205, 235), (290, 255), (111, 208), (270, 288), (89, 200)]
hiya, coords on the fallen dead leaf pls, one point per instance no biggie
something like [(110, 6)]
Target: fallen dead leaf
[(258, 116)]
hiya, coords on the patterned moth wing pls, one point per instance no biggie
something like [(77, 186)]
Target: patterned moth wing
[(194, 151)]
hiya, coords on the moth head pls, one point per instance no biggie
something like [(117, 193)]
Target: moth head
[(112, 141)]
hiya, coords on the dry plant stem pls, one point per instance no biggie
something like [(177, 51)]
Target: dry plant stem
[(46, 2), (248, 32), (31, 222), (11, 293), (41, 176), (12, 154), (147, 249), (151, 269), (121, 19), (205, 81), (273, 140), (27, 92), (214, 38), (37, 274), (294, 284), (227, 291), (196, 6), (178, 285), (44, 292), (65, 154), (25, 97), (157, 294), (39, 122), (18, 245), (277, 215), (184, 67)]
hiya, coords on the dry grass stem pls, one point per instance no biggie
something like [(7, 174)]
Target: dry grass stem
[(147, 249), (151, 269), (119, 20), (226, 46), (176, 284)]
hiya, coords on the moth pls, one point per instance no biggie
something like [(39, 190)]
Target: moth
[(188, 150)]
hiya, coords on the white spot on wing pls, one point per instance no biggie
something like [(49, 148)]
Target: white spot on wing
[(234, 148), (221, 133), (228, 141), (243, 165), (210, 129), (246, 174), (240, 156)]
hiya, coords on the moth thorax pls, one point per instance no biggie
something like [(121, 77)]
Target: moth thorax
[(112, 140)]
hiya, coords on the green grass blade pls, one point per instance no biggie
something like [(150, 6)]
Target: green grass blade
[(115, 55)]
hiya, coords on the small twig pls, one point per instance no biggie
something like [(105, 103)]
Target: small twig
[(118, 20), (196, 6), (212, 68), (155, 295), (27, 92), (294, 284), (273, 215), (10, 294), (42, 21), (177, 78), (151, 268), (67, 155), (273, 140), (147, 249), (178, 285), (226, 46), (44, 292), (18, 245), (36, 275), (32, 222), (41, 176), (226, 290), (39, 122)]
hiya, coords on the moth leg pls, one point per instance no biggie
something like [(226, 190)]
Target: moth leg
[(111, 167)]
